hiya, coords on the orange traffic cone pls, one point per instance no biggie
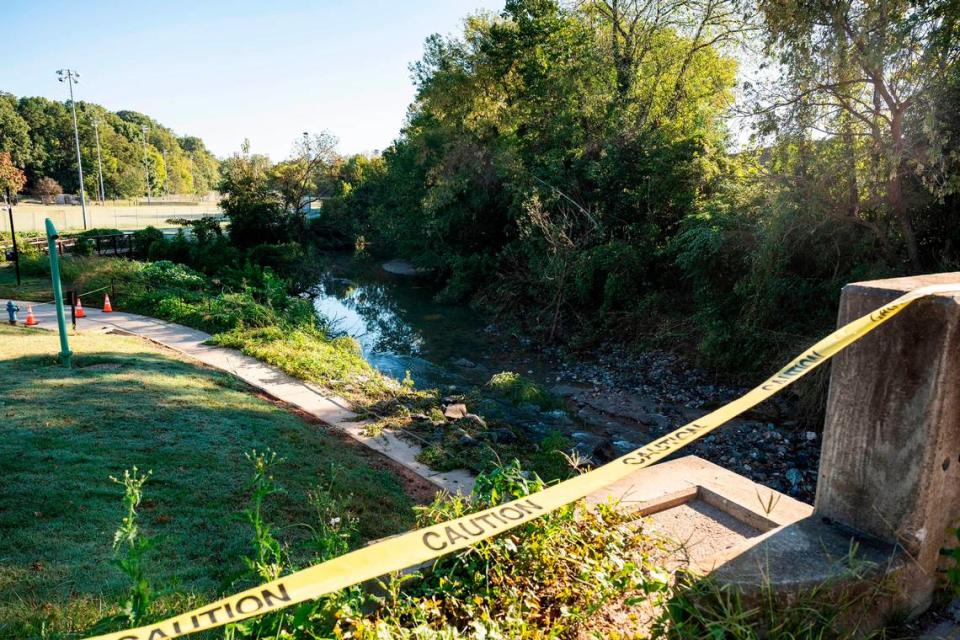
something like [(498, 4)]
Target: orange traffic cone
[(31, 320), (106, 304), (80, 313)]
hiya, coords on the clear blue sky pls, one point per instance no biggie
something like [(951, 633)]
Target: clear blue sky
[(266, 70)]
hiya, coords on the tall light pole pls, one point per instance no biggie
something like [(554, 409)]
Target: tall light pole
[(166, 179), (70, 76), (96, 133), (146, 166)]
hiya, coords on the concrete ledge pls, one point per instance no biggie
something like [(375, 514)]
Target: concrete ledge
[(712, 513)]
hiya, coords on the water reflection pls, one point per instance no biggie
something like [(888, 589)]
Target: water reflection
[(399, 325)]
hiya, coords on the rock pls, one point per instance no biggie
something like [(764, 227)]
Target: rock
[(624, 446), (538, 431), (587, 443), (794, 476), (656, 419), (502, 436), (475, 419), (467, 440), (463, 362), (810, 435), (403, 268), (455, 411), (605, 450), (565, 390), (954, 610)]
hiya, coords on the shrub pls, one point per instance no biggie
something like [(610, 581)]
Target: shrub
[(612, 277), (307, 353), (47, 189), (279, 257), (144, 239), (546, 578), (520, 390)]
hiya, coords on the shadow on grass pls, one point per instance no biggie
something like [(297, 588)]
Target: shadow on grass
[(65, 432)]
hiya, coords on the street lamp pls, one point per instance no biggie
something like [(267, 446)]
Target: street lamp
[(70, 76), (146, 166), (96, 133)]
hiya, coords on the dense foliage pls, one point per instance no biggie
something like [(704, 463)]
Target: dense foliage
[(38, 133), (572, 163), (269, 203)]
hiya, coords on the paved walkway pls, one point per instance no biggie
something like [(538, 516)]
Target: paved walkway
[(331, 410)]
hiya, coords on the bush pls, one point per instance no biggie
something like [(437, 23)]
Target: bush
[(547, 578), (520, 390), (309, 354), (282, 258), (144, 239), (612, 276)]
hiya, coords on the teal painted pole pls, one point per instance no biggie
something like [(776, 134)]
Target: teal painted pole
[(52, 236)]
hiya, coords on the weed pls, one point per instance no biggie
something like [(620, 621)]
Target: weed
[(544, 579), (267, 561), (129, 550), (130, 547), (770, 503), (520, 390), (702, 609), (335, 531), (953, 572)]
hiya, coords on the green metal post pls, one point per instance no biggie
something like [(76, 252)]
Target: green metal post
[(52, 237)]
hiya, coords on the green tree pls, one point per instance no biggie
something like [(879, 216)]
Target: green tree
[(298, 180), (858, 72), (39, 134), (599, 122), (257, 214), (14, 131)]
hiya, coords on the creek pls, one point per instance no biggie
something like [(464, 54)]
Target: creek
[(615, 400)]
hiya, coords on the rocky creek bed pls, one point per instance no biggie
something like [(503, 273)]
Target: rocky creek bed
[(603, 402), (615, 401)]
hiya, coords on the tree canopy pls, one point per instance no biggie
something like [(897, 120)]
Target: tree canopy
[(575, 162), (38, 133)]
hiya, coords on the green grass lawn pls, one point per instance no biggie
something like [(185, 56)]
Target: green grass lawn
[(64, 433), (31, 287)]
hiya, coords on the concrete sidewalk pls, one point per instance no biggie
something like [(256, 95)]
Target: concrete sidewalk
[(331, 410)]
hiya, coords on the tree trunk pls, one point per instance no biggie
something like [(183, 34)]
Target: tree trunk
[(895, 193)]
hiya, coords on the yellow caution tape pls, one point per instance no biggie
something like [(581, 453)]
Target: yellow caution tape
[(421, 545)]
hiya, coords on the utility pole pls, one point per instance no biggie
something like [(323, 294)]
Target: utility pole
[(70, 76), (96, 133), (146, 166), (13, 235)]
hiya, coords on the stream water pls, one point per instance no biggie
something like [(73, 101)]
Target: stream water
[(401, 328), (616, 400)]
